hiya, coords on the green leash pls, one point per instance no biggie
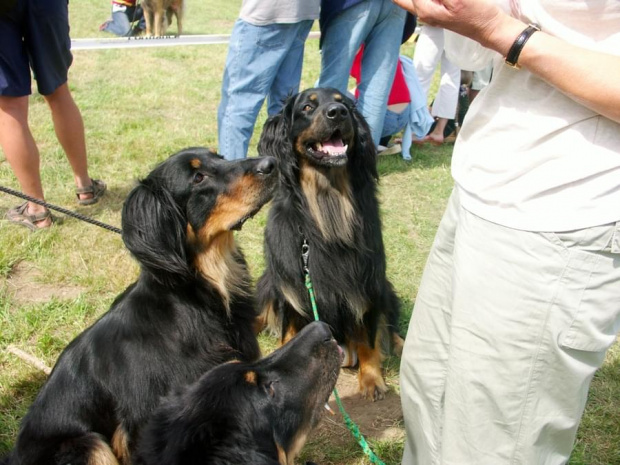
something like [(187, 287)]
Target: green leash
[(355, 431)]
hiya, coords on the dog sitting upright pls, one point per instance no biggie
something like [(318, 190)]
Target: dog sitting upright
[(325, 217), (190, 310)]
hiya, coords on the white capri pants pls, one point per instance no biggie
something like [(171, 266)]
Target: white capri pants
[(507, 332), (429, 51)]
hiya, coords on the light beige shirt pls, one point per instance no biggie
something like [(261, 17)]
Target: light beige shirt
[(529, 157)]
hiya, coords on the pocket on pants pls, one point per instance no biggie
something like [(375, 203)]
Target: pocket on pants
[(590, 289)]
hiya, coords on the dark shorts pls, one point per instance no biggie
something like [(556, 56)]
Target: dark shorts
[(34, 34)]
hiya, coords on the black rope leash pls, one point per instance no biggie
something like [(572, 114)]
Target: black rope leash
[(62, 210)]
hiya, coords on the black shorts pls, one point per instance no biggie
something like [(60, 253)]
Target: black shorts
[(34, 34)]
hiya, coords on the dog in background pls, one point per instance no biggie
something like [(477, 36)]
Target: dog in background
[(326, 208), (190, 310), (258, 413), (158, 16)]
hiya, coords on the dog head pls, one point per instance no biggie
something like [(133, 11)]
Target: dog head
[(322, 127), (249, 412), (189, 201)]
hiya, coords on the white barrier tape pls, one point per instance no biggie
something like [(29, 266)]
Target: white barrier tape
[(164, 41)]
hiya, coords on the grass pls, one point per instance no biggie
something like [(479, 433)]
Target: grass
[(139, 106)]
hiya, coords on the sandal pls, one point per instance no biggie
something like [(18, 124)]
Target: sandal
[(19, 215), (97, 188)]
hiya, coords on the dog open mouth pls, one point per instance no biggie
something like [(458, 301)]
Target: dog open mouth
[(333, 148)]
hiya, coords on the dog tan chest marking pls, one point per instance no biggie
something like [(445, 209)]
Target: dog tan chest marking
[(218, 265), (330, 200)]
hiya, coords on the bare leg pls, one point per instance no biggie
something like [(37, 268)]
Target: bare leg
[(69, 129), (21, 151), (436, 136)]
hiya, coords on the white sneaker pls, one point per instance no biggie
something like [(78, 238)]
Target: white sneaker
[(391, 150)]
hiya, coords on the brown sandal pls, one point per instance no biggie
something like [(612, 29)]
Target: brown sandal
[(19, 215), (97, 188)]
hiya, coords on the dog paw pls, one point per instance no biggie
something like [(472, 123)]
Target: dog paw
[(372, 386)]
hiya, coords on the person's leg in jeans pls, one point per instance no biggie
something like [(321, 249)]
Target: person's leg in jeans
[(119, 24), (341, 41), (288, 77), (379, 62), (255, 54)]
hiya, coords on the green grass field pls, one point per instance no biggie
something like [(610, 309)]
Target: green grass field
[(139, 106)]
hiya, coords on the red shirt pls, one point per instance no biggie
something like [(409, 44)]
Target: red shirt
[(399, 92)]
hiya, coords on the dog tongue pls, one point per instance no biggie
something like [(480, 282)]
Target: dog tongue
[(334, 146)]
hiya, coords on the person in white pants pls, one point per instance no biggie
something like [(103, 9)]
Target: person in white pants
[(429, 52), (520, 297)]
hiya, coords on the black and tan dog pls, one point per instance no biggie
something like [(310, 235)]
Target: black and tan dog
[(257, 413), (328, 198), (190, 310), (158, 16)]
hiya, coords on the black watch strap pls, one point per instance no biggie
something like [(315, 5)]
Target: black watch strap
[(512, 57)]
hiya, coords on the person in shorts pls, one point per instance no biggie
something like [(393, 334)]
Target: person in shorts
[(34, 35)]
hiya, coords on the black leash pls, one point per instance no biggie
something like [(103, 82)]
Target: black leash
[(64, 211)]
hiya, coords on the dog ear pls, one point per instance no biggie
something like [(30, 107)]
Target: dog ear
[(154, 231), (276, 140), (364, 160)]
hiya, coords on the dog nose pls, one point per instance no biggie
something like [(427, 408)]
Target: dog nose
[(266, 165), (336, 111)]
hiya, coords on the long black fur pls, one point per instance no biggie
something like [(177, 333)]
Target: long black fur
[(343, 272), (164, 331), (255, 413)]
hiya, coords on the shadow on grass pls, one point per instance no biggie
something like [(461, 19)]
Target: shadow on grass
[(14, 402), (597, 437)]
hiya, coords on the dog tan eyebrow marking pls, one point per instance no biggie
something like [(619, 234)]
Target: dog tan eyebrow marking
[(195, 163), (313, 97), (338, 97), (250, 377)]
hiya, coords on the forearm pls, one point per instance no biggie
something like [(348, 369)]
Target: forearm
[(586, 76)]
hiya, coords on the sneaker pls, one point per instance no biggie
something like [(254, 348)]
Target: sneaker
[(391, 150)]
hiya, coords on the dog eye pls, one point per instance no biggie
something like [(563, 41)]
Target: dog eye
[(198, 177), (307, 108)]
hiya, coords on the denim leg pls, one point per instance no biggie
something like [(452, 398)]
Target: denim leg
[(379, 25), (287, 79), (379, 65), (394, 122), (255, 55), (119, 24), (341, 41)]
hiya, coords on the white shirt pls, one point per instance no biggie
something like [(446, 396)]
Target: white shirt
[(529, 157), (264, 12)]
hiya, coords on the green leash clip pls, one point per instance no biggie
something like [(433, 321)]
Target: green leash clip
[(351, 426)]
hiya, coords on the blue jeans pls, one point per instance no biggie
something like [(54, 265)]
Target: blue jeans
[(120, 24), (395, 122), (379, 25), (263, 62)]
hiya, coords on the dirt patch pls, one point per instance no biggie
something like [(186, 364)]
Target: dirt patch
[(376, 420), (24, 286)]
